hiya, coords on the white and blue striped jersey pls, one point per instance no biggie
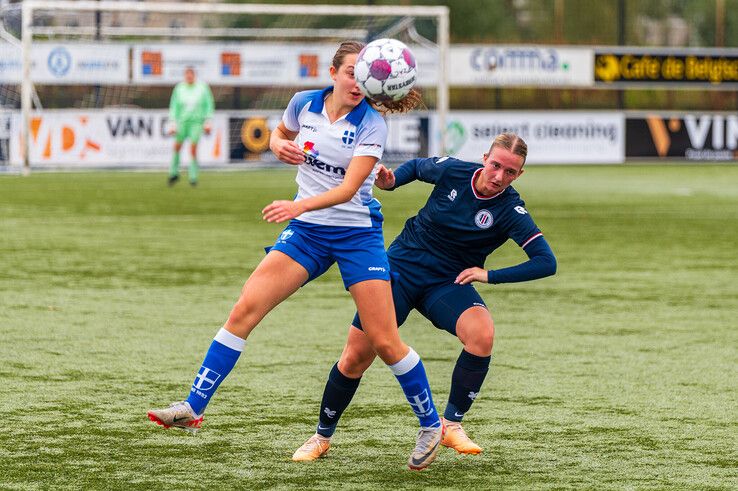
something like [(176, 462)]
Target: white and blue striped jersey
[(329, 148)]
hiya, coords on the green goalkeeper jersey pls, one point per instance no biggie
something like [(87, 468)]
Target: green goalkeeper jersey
[(191, 103)]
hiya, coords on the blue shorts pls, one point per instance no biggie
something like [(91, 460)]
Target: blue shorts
[(436, 297), (359, 251)]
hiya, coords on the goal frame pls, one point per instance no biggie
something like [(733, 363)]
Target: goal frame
[(440, 13)]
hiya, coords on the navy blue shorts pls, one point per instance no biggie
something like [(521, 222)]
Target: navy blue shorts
[(359, 251), (436, 297)]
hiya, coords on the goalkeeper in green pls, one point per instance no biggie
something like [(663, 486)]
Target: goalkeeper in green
[(190, 110)]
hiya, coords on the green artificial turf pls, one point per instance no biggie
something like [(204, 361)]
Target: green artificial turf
[(618, 373)]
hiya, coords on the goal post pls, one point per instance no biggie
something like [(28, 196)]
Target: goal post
[(290, 27)]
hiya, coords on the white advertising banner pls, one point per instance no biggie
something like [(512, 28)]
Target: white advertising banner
[(70, 63), (499, 65), (250, 64), (570, 137), (139, 138), (287, 64)]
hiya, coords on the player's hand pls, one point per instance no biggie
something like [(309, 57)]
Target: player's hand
[(172, 130), (207, 128), (288, 152), (385, 178), (470, 275), (281, 211)]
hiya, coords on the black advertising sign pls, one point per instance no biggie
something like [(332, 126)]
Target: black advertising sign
[(713, 69), (686, 136)]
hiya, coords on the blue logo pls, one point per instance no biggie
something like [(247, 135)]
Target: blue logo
[(59, 61), (348, 137)]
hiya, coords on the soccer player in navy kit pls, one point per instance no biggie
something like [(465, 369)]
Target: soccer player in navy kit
[(336, 138), (472, 210)]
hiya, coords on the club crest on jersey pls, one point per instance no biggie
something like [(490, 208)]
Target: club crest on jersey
[(452, 195), (483, 219), (348, 137)]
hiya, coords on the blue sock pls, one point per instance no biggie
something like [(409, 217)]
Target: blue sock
[(467, 379), (338, 392), (219, 360), (411, 374)]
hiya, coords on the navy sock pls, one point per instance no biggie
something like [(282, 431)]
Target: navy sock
[(338, 392), (410, 372), (219, 360), (466, 381)]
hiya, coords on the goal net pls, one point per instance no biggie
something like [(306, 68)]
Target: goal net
[(87, 83)]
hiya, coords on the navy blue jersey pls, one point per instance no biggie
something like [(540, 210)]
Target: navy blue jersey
[(457, 226)]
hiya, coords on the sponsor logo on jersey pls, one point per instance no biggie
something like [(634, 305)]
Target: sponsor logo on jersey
[(473, 395), (376, 268), (311, 158), (521, 210), (452, 195), (483, 219), (329, 413), (309, 149), (309, 127)]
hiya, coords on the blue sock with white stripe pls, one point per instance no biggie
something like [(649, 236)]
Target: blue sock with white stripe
[(410, 372), (219, 361)]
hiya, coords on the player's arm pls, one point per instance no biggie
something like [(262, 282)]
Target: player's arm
[(174, 110), (208, 109), (282, 144), (427, 170), (541, 263), (357, 172)]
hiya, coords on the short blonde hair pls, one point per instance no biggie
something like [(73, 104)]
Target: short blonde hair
[(511, 142)]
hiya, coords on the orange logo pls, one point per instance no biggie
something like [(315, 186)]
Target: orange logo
[(230, 64), (65, 137), (308, 66), (151, 63)]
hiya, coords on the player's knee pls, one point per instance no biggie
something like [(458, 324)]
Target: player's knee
[(354, 363), (386, 350), (241, 313), (485, 338), (479, 340)]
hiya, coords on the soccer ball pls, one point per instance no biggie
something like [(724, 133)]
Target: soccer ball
[(385, 70)]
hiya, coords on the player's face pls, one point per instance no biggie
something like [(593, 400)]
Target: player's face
[(189, 76), (501, 168), (345, 88)]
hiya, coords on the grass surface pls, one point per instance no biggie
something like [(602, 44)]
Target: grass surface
[(617, 373)]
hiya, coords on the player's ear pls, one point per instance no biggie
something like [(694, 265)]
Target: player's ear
[(333, 72), (485, 156)]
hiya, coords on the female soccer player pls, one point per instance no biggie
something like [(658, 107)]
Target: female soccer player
[(471, 211), (336, 137), (190, 110)]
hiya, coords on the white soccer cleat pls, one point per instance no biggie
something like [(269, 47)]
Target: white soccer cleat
[(177, 415), (426, 448), (316, 447)]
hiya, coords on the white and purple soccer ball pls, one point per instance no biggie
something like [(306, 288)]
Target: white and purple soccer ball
[(385, 70)]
